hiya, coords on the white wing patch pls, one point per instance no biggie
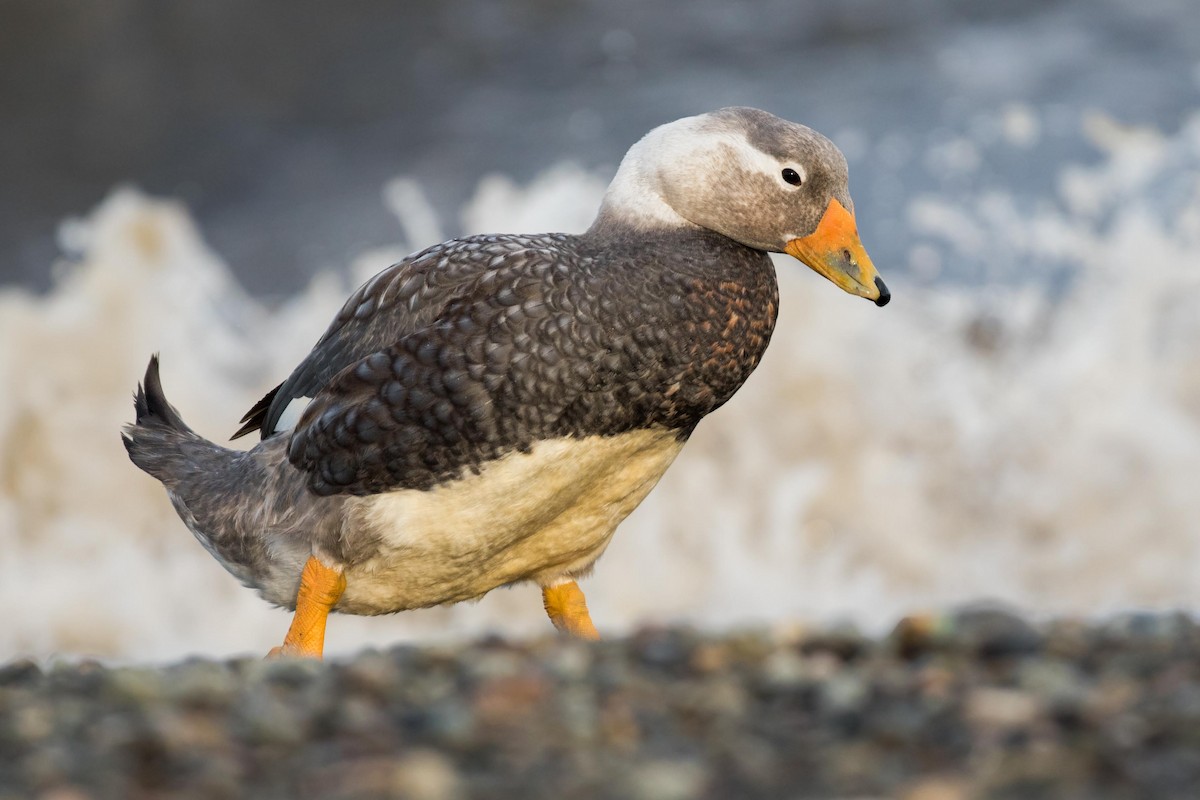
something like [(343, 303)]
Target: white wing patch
[(291, 414)]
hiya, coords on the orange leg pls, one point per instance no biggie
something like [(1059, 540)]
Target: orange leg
[(568, 611), (320, 588)]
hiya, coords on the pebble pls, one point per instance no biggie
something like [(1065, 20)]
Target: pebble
[(426, 775), (1006, 709), (667, 780), (974, 703)]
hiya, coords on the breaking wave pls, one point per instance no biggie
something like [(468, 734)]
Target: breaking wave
[(1033, 445)]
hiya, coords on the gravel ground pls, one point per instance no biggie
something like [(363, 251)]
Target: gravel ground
[(977, 703)]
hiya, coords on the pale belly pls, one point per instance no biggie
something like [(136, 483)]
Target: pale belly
[(541, 516)]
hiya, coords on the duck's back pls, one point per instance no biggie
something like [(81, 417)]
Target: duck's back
[(530, 339)]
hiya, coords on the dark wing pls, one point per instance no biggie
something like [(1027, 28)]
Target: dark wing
[(540, 342), (400, 300), (536, 347)]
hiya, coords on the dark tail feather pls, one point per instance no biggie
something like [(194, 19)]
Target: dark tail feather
[(256, 416), (156, 439), (150, 403)]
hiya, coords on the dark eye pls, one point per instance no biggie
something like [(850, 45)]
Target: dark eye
[(791, 176)]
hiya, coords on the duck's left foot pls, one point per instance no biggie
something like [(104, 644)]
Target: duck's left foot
[(320, 588), (567, 609)]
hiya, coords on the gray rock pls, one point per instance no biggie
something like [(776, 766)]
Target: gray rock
[(973, 703)]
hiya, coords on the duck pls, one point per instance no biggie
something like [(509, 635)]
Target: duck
[(487, 411)]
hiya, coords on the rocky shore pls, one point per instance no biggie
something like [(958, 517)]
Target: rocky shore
[(974, 704)]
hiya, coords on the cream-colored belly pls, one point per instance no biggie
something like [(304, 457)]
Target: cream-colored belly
[(540, 516)]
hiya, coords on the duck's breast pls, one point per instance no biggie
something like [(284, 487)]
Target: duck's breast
[(535, 515)]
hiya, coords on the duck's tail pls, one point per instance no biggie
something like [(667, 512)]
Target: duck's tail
[(249, 509), (159, 441)]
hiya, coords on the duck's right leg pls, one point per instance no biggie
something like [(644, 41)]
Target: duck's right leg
[(567, 609), (320, 588)]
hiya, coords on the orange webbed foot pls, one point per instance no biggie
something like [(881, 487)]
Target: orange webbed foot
[(320, 588), (567, 608)]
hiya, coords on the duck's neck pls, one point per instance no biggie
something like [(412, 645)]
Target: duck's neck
[(632, 204), (634, 200)]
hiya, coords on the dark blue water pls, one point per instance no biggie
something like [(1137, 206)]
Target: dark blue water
[(278, 123)]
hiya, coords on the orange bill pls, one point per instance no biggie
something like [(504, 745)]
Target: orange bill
[(834, 250)]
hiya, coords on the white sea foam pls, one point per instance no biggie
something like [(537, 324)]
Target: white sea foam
[(962, 443)]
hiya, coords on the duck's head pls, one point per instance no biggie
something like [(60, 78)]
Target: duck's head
[(760, 180)]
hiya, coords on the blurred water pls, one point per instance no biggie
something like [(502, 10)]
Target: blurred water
[(967, 441), (1021, 423), (279, 124)]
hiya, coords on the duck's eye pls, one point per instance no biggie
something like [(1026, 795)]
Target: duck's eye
[(791, 176)]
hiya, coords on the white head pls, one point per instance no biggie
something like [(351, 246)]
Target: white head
[(767, 183)]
